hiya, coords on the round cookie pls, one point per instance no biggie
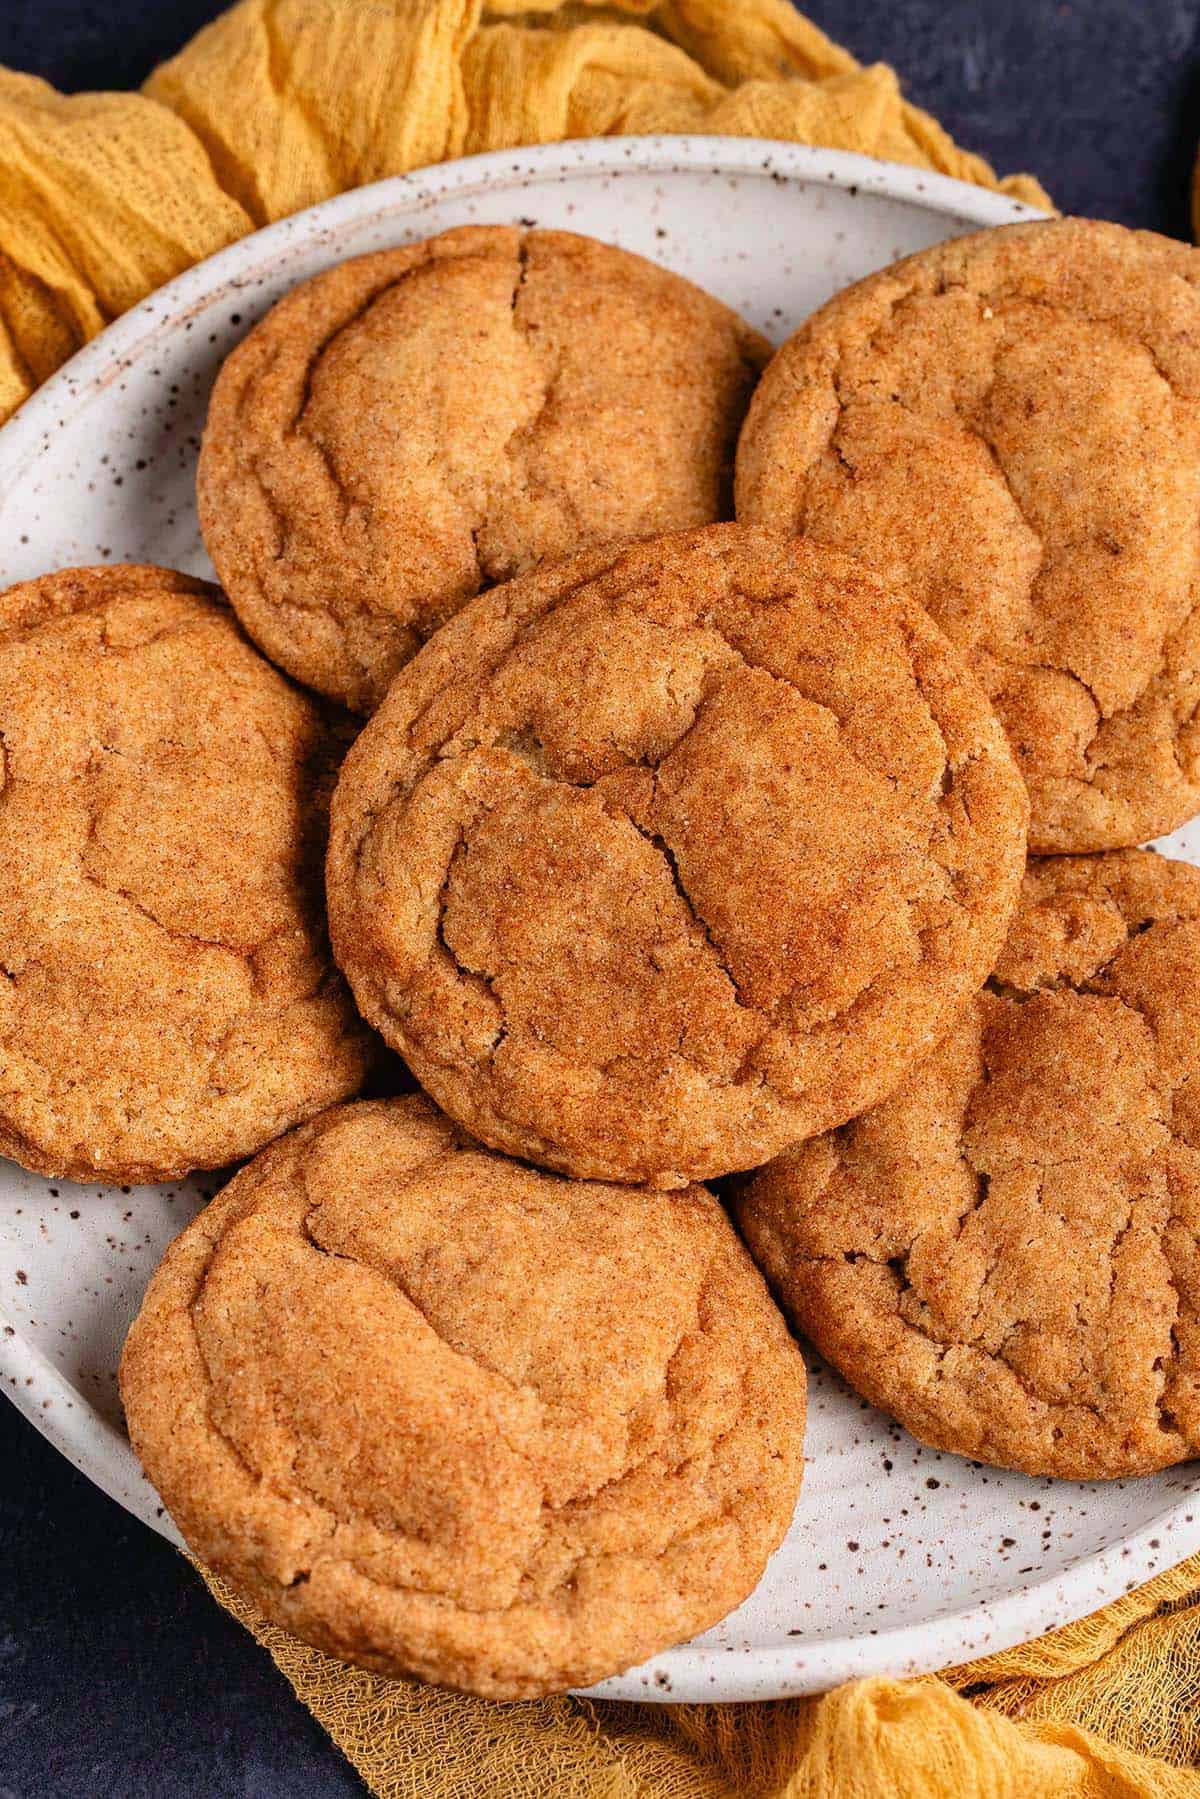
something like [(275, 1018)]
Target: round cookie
[(413, 426), (1004, 1255), (1010, 423), (446, 1416), (659, 859), (167, 996)]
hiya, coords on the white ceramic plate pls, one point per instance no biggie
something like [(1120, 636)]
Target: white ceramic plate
[(899, 1559)]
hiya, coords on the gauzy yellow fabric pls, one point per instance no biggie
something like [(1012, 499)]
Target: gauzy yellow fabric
[(281, 103), (1107, 1707)]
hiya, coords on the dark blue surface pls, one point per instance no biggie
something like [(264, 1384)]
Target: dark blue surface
[(119, 1679)]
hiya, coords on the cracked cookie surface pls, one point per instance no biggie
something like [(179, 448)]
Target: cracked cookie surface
[(655, 861), (1004, 1255), (444, 1415), (168, 1000), (1010, 423), (416, 425)]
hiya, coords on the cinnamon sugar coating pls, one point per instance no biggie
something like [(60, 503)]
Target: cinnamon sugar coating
[(415, 425), (167, 996), (443, 1415), (660, 859), (1004, 1255), (1010, 424)]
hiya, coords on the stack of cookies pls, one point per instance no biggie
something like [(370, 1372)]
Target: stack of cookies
[(659, 851)]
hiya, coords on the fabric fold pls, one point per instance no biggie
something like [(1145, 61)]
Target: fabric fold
[(872, 1739)]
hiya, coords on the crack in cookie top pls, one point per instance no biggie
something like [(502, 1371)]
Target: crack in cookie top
[(415, 425), (445, 1415), (657, 860), (168, 1000), (1004, 1255), (1010, 423)]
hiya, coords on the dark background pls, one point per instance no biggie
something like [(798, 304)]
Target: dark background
[(119, 1677)]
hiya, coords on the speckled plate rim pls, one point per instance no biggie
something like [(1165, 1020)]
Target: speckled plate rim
[(89, 1441)]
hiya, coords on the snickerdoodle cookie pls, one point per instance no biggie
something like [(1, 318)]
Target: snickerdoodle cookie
[(444, 1415), (167, 996), (415, 425), (1010, 423), (1004, 1255), (657, 860)]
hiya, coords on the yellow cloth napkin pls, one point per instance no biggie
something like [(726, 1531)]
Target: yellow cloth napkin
[(1100, 1702), (280, 103)]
